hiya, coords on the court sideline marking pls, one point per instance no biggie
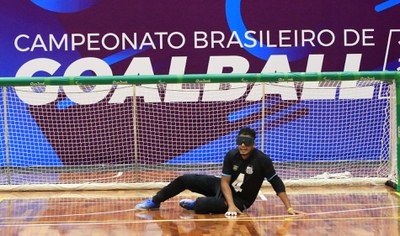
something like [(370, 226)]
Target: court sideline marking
[(259, 218)]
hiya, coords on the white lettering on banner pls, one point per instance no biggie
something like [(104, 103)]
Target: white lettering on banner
[(237, 64), (98, 92), (352, 37), (60, 44), (310, 91), (281, 38), (315, 63), (109, 41), (17, 43), (97, 41), (213, 92), (149, 92), (276, 63), (75, 92), (138, 66), (180, 93), (26, 93), (355, 92), (287, 91), (177, 93), (76, 41)]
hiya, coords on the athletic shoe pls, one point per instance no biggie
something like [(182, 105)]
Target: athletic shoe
[(187, 204), (147, 205)]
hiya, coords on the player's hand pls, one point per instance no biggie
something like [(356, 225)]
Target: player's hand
[(232, 212), (291, 211)]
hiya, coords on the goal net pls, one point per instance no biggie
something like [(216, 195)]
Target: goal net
[(134, 132)]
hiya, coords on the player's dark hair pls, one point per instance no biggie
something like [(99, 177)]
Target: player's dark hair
[(247, 131)]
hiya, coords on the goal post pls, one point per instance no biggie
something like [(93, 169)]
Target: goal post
[(126, 132)]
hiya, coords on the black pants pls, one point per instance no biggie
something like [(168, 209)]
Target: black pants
[(207, 185)]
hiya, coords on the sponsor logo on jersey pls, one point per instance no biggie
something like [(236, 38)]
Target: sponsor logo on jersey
[(249, 170)]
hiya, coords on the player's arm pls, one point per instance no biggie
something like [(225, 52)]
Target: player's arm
[(279, 187), (284, 198), (226, 176), (226, 190)]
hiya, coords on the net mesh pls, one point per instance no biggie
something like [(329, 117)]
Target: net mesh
[(123, 134)]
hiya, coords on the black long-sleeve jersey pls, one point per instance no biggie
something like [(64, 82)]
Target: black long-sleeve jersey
[(247, 175)]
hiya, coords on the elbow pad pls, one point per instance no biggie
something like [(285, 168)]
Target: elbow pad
[(277, 184)]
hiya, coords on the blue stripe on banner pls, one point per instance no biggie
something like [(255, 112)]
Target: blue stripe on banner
[(327, 138), (24, 136), (386, 5)]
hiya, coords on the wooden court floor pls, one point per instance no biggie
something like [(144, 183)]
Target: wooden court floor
[(343, 210)]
